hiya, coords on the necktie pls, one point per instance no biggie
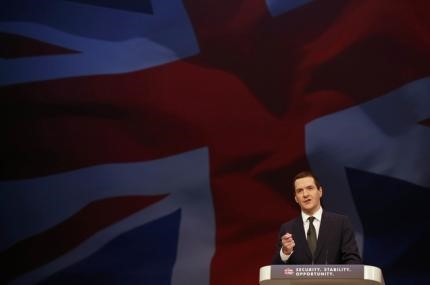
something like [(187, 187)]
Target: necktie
[(312, 236)]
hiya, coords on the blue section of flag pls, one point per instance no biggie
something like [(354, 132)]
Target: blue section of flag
[(394, 214), (142, 6), (118, 39), (277, 7), (118, 23), (145, 255)]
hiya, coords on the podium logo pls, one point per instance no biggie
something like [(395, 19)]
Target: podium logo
[(288, 271)]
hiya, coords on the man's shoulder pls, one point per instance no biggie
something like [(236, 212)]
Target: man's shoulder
[(334, 216)]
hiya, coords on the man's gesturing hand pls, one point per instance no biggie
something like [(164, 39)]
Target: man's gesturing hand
[(287, 243)]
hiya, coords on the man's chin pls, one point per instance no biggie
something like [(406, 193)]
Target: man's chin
[(308, 208)]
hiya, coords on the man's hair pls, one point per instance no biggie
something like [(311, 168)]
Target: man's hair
[(304, 174)]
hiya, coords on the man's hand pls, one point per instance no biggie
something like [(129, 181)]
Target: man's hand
[(287, 243)]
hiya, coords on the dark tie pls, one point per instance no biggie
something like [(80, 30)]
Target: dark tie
[(312, 236)]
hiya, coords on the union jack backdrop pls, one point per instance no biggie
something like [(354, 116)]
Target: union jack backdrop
[(154, 142)]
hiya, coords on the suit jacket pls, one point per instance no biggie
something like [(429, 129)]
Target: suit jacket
[(335, 245)]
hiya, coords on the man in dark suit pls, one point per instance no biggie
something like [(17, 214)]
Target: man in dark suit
[(316, 236)]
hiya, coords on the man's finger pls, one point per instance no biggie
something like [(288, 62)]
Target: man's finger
[(287, 235)]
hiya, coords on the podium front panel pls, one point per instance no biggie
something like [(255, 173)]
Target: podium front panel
[(320, 275)]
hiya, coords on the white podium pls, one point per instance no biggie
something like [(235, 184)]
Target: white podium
[(344, 274)]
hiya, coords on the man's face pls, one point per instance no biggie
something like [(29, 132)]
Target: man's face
[(307, 195)]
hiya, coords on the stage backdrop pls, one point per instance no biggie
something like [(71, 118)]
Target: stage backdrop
[(154, 142)]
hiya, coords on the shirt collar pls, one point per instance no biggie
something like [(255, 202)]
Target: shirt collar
[(317, 215)]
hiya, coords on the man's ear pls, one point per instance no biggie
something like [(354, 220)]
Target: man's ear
[(295, 198), (321, 191)]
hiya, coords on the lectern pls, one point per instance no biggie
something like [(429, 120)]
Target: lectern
[(321, 275)]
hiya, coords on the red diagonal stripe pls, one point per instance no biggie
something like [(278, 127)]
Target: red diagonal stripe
[(425, 122)]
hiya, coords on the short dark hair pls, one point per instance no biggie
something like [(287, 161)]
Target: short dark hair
[(304, 174)]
